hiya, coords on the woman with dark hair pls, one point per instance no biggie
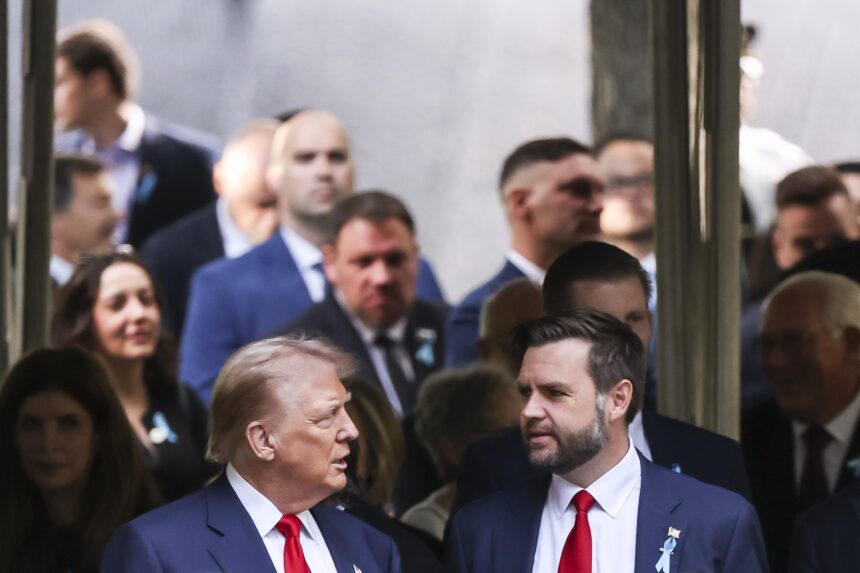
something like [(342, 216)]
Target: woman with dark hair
[(110, 307), (71, 473)]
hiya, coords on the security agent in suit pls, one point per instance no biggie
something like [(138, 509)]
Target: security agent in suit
[(243, 216), (825, 537), (278, 421), (161, 172), (235, 301), (601, 276), (552, 198), (804, 445), (604, 503)]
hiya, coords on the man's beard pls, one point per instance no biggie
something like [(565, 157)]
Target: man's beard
[(576, 449)]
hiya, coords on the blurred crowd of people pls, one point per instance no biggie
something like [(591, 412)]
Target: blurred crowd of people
[(184, 273)]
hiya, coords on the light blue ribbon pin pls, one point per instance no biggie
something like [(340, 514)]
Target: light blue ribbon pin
[(162, 431), (147, 185), (855, 466), (426, 338), (663, 563)]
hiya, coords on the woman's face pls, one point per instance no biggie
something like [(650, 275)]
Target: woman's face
[(126, 317), (56, 442)]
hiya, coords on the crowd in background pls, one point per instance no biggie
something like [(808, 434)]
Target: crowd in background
[(169, 254)]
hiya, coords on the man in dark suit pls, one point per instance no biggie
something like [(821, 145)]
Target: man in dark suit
[(82, 217), (825, 537), (601, 276), (371, 261), (805, 443), (243, 216), (161, 172), (604, 504), (552, 200), (235, 301), (278, 422)]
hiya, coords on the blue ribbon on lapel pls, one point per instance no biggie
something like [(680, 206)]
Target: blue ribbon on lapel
[(665, 559), (148, 181)]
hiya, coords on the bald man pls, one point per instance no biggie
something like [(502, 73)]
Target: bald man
[(235, 301), (517, 302), (243, 216)]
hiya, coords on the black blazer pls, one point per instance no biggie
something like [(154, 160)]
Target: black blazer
[(175, 252), (768, 444), (501, 461), (175, 178), (826, 536)]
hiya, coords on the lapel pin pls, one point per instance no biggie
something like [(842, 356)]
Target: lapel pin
[(426, 338), (676, 468), (665, 561), (676, 533)]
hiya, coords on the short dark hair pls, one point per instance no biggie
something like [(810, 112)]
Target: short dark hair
[(538, 151), (374, 206), (846, 167), (809, 186), (616, 352), (99, 45), (591, 260), (65, 168)]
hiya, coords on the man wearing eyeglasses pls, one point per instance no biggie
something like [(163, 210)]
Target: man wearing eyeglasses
[(804, 444), (552, 196)]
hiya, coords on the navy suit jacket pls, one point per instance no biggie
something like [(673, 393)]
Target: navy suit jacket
[(768, 443), (210, 530), (174, 253), (462, 327), (175, 176), (236, 301), (719, 529), (502, 461), (826, 537)]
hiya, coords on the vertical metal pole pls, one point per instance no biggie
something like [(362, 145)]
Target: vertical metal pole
[(35, 188), (5, 275), (696, 51)]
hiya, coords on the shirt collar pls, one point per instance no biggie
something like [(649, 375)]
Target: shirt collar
[(610, 490), (528, 268), (60, 269), (305, 253), (135, 122), (841, 427), (396, 332), (236, 241), (263, 512)]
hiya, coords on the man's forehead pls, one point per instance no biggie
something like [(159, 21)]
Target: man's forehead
[(565, 352), (797, 308), (602, 293), (568, 167)]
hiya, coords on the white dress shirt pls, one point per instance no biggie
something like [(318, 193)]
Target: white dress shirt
[(60, 270), (637, 434), (377, 355), (306, 255), (266, 516), (842, 429), (612, 519), (236, 242), (122, 158), (533, 272)]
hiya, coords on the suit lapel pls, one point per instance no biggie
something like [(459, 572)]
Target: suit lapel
[(345, 334), (213, 242), (423, 344), (280, 263), (240, 547), (336, 541), (657, 503), (523, 525), (850, 471)]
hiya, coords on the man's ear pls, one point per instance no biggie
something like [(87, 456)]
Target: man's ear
[(517, 202), (217, 176), (98, 83), (620, 398), (329, 253), (260, 441)]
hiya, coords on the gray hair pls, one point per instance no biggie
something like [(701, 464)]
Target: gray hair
[(840, 297), (249, 379)]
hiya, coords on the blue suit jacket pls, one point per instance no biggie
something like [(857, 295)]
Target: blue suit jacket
[(236, 301), (462, 327), (501, 461), (210, 530), (826, 537), (719, 529)]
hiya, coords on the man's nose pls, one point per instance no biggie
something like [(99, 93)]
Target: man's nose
[(380, 273), (532, 408)]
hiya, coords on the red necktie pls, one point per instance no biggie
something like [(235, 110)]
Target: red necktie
[(294, 558), (576, 555)]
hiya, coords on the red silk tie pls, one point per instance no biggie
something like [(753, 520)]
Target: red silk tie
[(576, 555), (294, 558)]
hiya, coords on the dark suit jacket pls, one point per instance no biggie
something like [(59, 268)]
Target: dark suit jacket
[(826, 537), (210, 530), (719, 529), (502, 461), (236, 301), (768, 443), (462, 327), (173, 254)]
